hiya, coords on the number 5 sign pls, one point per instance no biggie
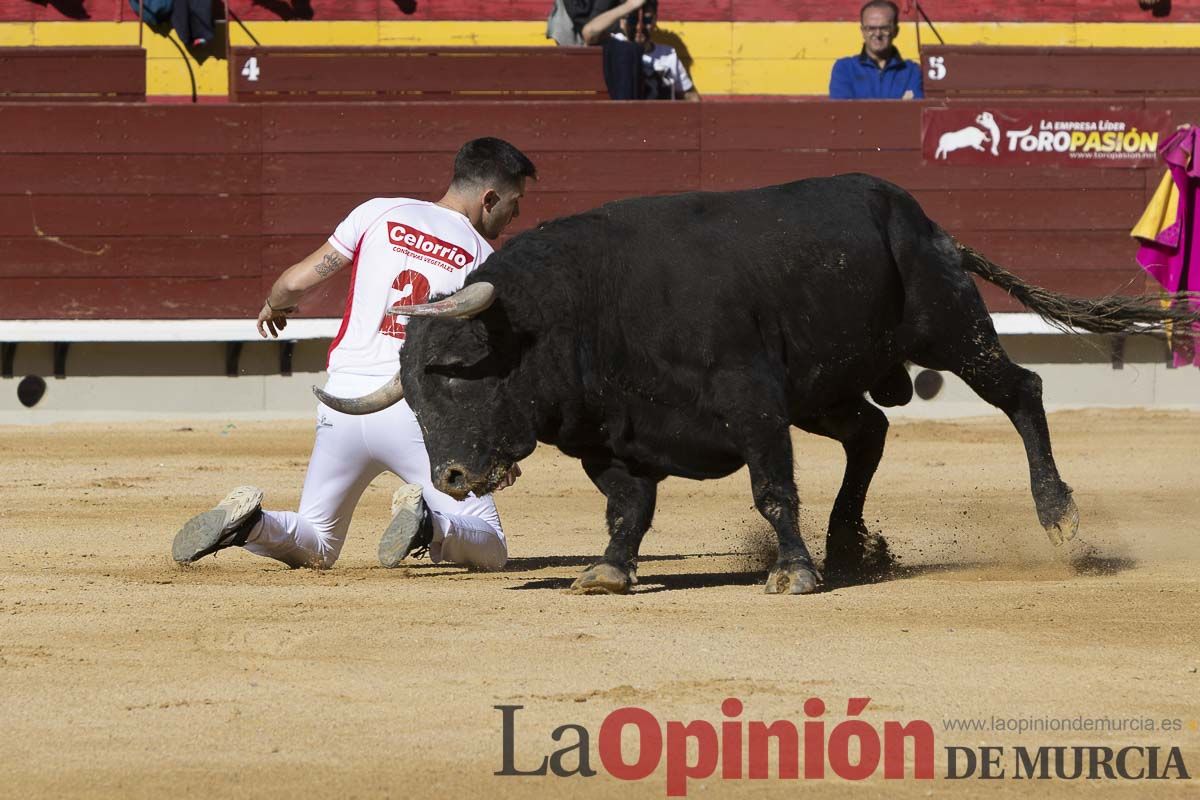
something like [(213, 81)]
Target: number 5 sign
[(937, 68)]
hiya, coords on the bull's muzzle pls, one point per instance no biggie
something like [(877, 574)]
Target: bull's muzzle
[(455, 480)]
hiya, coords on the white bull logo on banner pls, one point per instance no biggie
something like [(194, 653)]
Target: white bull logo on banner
[(972, 136)]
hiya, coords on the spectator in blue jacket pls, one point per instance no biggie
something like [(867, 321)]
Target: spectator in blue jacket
[(878, 72)]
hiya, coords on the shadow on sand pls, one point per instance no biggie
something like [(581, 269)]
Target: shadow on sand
[(1090, 565)]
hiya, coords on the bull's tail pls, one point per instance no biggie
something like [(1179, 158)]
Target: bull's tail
[(1109, 314)]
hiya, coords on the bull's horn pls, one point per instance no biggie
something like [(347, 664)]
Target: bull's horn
[(387, 395), (466, 302)]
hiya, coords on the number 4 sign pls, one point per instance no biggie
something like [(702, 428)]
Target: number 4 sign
[(250, 68)]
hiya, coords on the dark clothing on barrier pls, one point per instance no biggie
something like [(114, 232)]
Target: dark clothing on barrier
[(154, 12), (193, 21), (623, 69)]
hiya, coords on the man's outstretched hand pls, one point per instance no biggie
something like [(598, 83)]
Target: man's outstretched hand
[(273, 319)]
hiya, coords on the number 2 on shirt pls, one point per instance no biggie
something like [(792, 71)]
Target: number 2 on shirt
[(410, 288)]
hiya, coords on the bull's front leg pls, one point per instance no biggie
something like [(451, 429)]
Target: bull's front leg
[(852, 552), (631, 501), (769, 457)]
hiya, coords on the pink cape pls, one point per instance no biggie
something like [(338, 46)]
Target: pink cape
[(1172, 257)]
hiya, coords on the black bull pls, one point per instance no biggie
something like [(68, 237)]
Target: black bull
[(685, 335)]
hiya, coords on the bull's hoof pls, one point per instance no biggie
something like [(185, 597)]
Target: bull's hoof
[(793, 579), (603, 578), (860, 556), (1066, 526)]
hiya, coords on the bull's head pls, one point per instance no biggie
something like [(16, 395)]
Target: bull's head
[(455, 372)]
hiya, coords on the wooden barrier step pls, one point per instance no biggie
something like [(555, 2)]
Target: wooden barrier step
[(65, 74), (989, 71), (273, 74)]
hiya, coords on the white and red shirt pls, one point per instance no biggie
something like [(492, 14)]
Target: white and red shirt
[(404, 251)]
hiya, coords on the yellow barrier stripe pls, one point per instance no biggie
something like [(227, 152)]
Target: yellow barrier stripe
[(85, 34), (728, 57), (308, 34), (168, 76), (16, 34), (463, 34)]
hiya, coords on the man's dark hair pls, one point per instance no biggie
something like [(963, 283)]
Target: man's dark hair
[(881, 4), (491, 161)]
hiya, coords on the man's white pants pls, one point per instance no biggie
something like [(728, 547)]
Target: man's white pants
[(349, 452)]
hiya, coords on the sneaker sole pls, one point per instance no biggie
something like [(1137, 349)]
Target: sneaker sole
[(397, 539), (204, 530)]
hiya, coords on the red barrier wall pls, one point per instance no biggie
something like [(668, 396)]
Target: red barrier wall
[(110, 211)]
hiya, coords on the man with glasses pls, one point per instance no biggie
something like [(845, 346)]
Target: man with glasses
[(878, 72)]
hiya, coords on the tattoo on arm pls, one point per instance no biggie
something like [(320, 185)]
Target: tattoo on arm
[(331, 263)]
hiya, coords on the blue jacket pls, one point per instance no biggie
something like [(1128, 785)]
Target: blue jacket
[(857, 78)]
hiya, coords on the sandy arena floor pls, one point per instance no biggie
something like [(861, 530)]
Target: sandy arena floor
[(122, 675)]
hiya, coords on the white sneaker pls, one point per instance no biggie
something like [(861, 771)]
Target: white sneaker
[(411, 529), (227, 525)]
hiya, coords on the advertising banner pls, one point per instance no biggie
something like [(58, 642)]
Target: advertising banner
[(1073, 135)]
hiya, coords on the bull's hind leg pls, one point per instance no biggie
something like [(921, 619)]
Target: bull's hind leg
[(631, 501), (1018, 393), (947, 327), (977, 357), (852, 552)]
